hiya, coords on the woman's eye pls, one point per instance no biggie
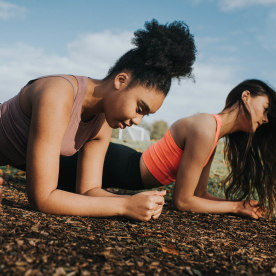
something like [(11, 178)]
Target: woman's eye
[(139, 110)]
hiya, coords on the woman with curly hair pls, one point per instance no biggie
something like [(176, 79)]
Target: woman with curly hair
[(185, 154), (58, 115)]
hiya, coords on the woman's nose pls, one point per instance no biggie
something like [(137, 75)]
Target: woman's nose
[(265, 120)]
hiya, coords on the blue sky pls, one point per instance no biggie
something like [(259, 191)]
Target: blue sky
[(236, 40)]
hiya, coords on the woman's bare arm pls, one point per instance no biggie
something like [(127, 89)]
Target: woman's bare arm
[(90, 164), (201, 188), (50, 117), (90, 169), (188, 196)]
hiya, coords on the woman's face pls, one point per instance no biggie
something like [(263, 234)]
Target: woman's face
[(258, 109), (127, 106)]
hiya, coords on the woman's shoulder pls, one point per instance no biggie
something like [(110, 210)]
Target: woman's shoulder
[(51, 90), (195, 122), (57, 86), (53, 80), (198, 126), (202, 121)]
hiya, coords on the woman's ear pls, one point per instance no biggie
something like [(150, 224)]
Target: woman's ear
[(245, 96), (121, 80)]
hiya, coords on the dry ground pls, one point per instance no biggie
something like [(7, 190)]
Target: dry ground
[(32, 243)]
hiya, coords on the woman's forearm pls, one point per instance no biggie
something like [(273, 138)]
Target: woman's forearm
[(249, 208), (99, 192), (212, 197), (203, 205), (142, 206), (65, 203)]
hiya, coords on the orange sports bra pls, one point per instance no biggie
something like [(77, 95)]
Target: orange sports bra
[(162, 158)]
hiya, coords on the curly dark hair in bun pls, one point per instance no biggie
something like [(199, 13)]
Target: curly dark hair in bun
[(162, 52)]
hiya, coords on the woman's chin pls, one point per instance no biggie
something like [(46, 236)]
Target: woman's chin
[(112, 124)]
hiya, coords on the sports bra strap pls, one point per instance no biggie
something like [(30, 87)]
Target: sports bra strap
[(62, 76), (218, 122)]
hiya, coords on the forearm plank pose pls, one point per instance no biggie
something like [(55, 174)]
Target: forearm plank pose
[(60, 115), (185, 154)]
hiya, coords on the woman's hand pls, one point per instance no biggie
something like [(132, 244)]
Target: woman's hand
[(145, 205), (250, 208)]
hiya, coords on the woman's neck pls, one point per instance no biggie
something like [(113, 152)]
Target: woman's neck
[(94, 98), (231, 121)]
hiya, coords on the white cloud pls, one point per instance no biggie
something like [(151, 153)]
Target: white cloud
[(238, 4), (20, 63), (227, 5), (103, 47), (221, 44), (267, 37), (89, 55), (207, 94), (93, 54), (8, 10)]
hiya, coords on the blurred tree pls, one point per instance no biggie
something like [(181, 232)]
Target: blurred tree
[(145, 125), (158, 129)]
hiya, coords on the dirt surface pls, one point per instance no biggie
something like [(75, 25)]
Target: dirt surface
[(32, 243)]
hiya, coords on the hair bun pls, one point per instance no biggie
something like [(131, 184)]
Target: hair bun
[(169, 48)]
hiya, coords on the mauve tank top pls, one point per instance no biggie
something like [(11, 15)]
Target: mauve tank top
[(14, 126)]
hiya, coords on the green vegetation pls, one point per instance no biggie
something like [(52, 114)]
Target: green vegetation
[(158, 129)]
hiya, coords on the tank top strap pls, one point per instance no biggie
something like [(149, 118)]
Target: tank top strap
[(59, 75), (218, 121), (218, 127)]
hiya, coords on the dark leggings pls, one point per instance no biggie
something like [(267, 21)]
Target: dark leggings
[(121, 169)]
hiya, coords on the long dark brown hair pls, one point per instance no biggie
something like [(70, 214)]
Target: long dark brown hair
[(252, 156)]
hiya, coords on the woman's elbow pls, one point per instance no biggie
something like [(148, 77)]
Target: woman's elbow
[(37, 203), (182, 204)]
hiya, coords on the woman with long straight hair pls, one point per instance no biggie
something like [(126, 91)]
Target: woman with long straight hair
[(185, 154)]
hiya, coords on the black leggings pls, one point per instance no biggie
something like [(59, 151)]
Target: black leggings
[(121, 169)]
